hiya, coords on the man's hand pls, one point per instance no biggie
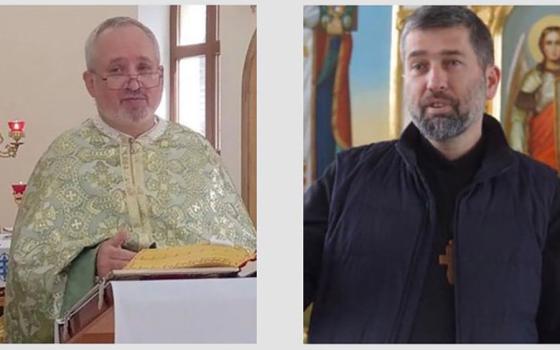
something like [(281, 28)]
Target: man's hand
[(111, 256)]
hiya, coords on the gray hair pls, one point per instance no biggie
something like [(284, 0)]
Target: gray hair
[(115, 22), (430, 17)]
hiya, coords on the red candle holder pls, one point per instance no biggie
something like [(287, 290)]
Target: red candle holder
[(16, 134), (17, 191), (16, 125), (16, 130)]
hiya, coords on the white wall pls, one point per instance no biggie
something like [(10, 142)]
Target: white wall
[(236, 27), (41, 80)]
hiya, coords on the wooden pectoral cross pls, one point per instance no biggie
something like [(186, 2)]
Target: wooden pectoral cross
[(447, 260)]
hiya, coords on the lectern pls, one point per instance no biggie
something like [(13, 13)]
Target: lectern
[(176, 310)]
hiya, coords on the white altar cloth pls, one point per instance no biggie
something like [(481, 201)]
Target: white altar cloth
[(217, 310)]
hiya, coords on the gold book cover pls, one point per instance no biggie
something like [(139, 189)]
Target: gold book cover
[(190, 256)]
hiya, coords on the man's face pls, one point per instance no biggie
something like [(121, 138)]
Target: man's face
[(128, 51), (551, 46), (445, 87)]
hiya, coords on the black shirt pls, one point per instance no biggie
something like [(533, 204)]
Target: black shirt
[(435, 317)]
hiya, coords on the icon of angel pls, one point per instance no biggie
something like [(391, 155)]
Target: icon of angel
[(532, 119)]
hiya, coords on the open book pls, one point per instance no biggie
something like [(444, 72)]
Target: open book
[(194, 259)]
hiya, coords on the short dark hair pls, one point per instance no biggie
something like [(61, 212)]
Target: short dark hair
[(429, 17)]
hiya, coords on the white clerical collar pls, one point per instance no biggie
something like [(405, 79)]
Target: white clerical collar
[(159, 127)]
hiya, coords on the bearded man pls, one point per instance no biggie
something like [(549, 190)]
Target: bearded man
[(120, 182), (447, 234)]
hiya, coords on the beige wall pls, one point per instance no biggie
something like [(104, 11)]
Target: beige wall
[(41, 67), (237, 24), (157, 19)]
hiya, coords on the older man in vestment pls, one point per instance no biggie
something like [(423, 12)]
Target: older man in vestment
[(121, 181)]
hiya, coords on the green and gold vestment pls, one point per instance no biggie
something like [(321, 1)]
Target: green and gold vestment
[(167, 186)]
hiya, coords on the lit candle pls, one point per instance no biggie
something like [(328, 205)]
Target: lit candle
[(16, 125), (19, 188)]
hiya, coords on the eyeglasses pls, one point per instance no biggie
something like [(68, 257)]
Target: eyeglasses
[(148, 80)]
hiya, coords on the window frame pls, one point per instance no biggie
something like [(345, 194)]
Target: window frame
[(210, 49)]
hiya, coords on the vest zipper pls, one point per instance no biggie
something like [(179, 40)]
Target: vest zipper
[(428, 228), (455, 256), (455, 252)]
